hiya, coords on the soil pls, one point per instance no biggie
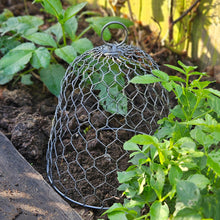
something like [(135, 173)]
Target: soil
[(26, 114)]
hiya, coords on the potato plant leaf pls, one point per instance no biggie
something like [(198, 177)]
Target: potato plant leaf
[(175, 174), (144, 139), (213, 161), (70, 27), (24, 25), (214, 91), (41, 58), (157, 179), (15, 60), (73, 10), (53, 7), (113, 100), (41, 39), (187, 193), (52, 76), (26, 79), (82, 45), (159, 211), (188, 214), (55, 29), (67, 53), (199, 180)]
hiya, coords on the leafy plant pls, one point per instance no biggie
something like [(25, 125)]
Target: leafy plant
[(175, 173), (30, 45), (109, 81)]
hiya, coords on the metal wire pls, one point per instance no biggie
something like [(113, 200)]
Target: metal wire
[(98, 110)]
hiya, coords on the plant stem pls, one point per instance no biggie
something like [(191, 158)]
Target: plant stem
[(27, 71), (26, 8), (64, 35), (83, 32), (200, 116)]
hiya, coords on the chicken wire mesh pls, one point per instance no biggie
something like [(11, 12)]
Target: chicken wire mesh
[(98, 110)]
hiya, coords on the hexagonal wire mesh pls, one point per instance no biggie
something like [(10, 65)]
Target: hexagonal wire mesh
[(98, 110)]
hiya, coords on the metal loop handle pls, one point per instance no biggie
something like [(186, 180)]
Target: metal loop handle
[(114, 22)]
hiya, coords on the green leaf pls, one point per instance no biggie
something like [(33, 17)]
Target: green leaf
[(149, 194), (126, 176), (178, 89), (23, 25), (16, 59), (5, 15), (186, 68), (201, 137), (157, 179), (175, 68), (213, 161), (178, 112), (138, 158), (113, 100), (26, 79), (131, 146), (213, 91), (186, 144), (146, 79), (175, 174), (188, 214), (70, 27), (115, 207), (176, 79), (214, 103), (200, 85), (167, 85), (187, 193), (55, 29), (98, 23), (67, 53), (199, 180), (42, 39), (158, 211), (116, 211), (82, 45), (117, 215), (160, 74), (7, 43), (53, 7), (52, 76), (179, 131), (141, 183), (41, 58), (197, 73), (73, 10), (4, 77), (144, 139)]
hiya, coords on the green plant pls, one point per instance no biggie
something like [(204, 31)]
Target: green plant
[(59, 40), (109, 81), (175, 173)]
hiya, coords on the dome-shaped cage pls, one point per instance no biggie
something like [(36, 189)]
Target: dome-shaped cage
[(98, 110)]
